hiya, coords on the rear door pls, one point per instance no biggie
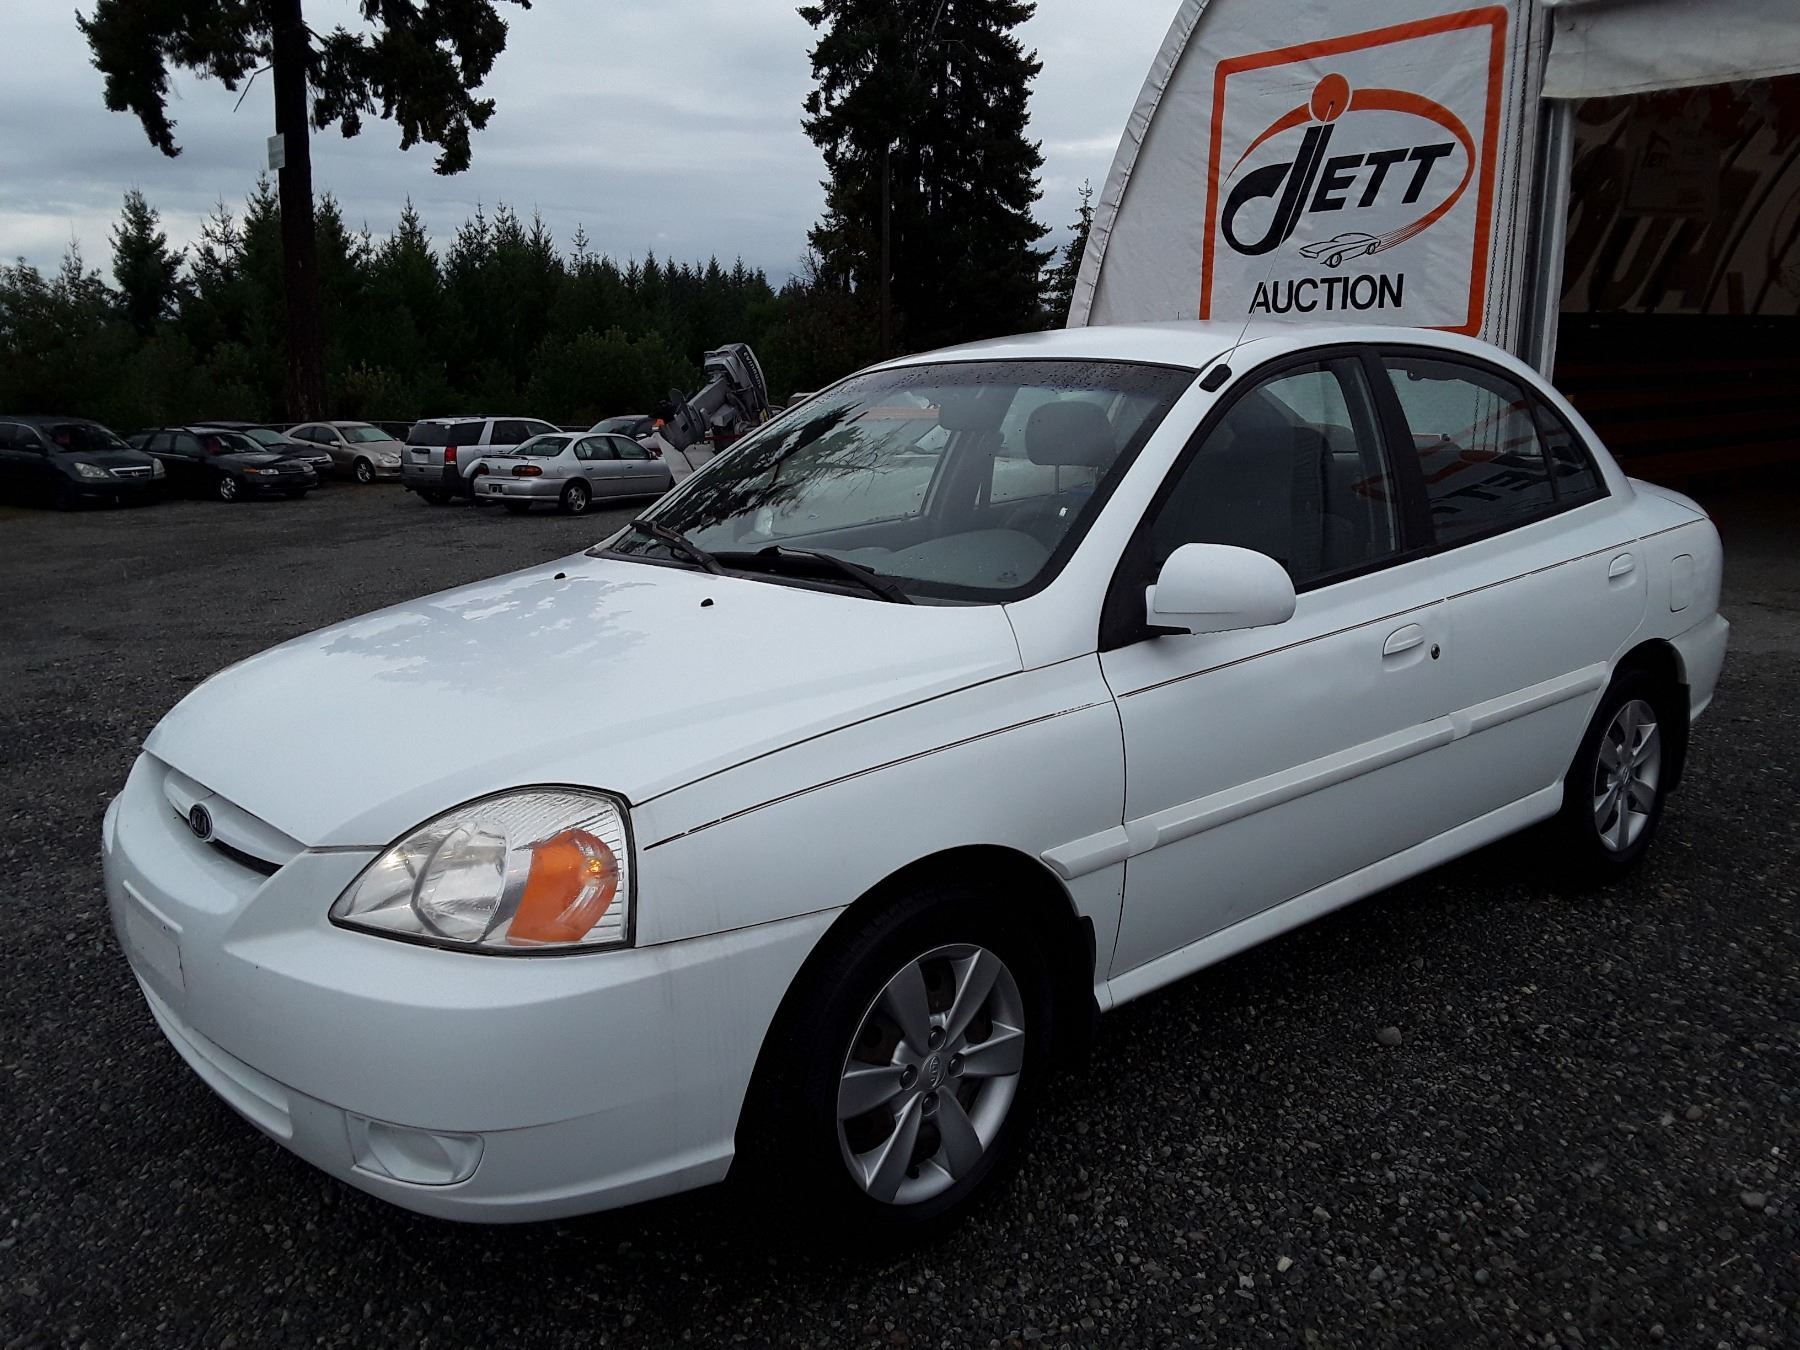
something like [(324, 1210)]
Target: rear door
[(1537, 562)]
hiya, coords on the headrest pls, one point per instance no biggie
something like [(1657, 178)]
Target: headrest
[(1070, 432)]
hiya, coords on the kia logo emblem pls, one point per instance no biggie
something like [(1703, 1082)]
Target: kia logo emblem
[(200, 822)]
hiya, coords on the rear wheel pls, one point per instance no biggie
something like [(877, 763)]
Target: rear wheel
[(364, 471), (1615, 790), (900, 1086), (575, 497), (434, 496), (226, 487), (517, 508)]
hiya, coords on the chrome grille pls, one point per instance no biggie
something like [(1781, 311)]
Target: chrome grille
[(132, 471)]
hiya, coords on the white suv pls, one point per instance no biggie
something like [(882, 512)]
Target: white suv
[(441, 452)]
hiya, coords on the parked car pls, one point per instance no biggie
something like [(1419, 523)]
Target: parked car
[(274, 439), (358, 450), (214, 462), (442, 453), (66, 461), (635, 425), (569, 470), (1158, 642)]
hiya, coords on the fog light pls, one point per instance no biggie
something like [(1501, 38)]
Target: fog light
[(420, 1157)]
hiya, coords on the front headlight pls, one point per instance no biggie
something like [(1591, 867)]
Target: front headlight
[(91, 470), (260, 472), (540, 869)]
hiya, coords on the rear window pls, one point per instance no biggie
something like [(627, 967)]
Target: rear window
[(549, 447), (444, 433)]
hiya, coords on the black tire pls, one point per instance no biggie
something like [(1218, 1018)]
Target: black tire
[(472, 484), (225, 488), (363, 471), (66, 497), (517, 508), (1596, 848), (789, 1147), (297, 494), (576, 498), (434, 497)]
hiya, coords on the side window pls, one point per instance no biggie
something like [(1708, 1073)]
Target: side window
[(594, 447), (1572, 470), (510, 433), (162, 440), (542, 429), (10, 439), (186, 444), (465, 433), (306, 434), (628, 449), (1479, 454), (1295, 470)]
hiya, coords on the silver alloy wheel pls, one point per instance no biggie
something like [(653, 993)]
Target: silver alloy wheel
[(1626, 772), (931, 1074), (228, 489), (365, 471), (575, 498)]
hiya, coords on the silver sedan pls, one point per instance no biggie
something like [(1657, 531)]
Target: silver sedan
[(570, 471)]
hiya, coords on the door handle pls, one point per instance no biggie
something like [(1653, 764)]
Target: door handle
[(1403, 640), (1621, 566)]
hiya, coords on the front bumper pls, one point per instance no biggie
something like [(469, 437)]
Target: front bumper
[(122, 489), (278, 485), (570, 1083)]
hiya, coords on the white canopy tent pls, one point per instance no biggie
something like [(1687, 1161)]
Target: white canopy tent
[(1302, 158)]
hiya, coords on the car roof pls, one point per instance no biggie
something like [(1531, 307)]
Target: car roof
[(1195, 343), (51, 420)]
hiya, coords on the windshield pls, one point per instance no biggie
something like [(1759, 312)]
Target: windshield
[(230, 442), (265, 436), (360, 435), (964, 480), (83, 436), (543, 447), (622, 426)]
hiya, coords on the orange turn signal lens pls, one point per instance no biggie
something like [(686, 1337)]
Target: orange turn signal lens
[(570, 886)]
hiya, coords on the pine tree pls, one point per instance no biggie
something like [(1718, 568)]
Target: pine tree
[(146, 270), (923, 104), (1060, 277)]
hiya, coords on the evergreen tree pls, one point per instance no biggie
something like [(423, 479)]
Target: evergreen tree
[(922, 105), (146, 270), (416, 64), (1061, 275)]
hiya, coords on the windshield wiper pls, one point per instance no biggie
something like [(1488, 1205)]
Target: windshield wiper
[(774, 554), (678, 543)]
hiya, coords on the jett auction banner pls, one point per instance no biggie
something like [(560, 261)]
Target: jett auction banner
[(1288, 160)]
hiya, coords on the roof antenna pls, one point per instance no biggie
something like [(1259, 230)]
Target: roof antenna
[(1220, 372)]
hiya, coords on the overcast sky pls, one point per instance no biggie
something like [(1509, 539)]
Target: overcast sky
[(671, 125)]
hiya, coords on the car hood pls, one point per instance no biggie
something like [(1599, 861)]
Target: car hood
[(250, 459), (632, 677), (109, 459)]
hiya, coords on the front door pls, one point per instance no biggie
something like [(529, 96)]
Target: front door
[(1265, 763)]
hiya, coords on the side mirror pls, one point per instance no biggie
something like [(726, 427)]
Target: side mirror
[(1215, 588)]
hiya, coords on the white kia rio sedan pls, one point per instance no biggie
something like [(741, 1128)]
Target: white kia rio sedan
[(1010, 682)]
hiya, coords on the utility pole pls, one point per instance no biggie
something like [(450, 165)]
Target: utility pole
[(887, 264)]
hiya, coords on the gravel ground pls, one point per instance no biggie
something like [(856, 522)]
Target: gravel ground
[(1585, 1135)]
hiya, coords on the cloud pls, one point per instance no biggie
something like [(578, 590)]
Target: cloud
[(653, 125)]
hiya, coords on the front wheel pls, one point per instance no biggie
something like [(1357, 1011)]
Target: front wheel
[(364, 471), (1614, 794), (900, 1088), (226, 488), (575, 498)]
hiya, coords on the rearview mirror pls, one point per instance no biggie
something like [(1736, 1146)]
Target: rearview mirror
[(1215, 588)]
